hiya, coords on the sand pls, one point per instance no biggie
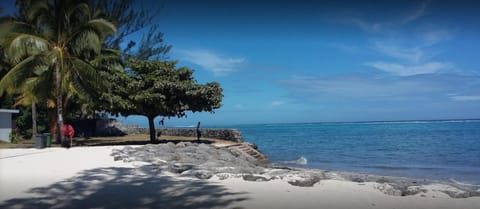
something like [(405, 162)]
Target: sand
[(88, 177)]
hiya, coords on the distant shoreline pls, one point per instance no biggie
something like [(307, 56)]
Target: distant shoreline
[(324, 122), (362, 122)]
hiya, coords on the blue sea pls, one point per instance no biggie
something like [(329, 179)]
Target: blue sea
[(439, 150)]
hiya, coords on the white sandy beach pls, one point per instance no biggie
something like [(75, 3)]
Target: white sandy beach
[(88, 177)]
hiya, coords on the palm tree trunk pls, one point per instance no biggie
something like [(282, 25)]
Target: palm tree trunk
[(58, 85), (34, 120), (53, 128), (151, 127)]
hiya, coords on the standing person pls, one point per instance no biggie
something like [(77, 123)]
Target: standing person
[(68, 133), (199, 133), (161, 123)]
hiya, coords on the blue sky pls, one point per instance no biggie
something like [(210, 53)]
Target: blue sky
[(309, 61)]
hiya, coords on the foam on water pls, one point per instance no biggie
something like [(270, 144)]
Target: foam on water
[(301, 161), (464, 184)]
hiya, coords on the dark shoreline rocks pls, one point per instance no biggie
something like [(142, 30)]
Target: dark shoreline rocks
[(204, 161)]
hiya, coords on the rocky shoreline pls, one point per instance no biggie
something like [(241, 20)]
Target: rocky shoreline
[(204, 161)]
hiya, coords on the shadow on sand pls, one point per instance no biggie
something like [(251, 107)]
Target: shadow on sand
[(115, 187)]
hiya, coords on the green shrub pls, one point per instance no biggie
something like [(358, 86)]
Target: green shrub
[(14, 137)]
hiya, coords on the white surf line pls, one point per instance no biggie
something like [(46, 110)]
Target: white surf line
[(463, 184)]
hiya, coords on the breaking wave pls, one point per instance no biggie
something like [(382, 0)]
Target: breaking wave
[(300, 161)]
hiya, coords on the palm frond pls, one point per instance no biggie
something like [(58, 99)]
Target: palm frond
[(79, 13), (10, 81), (33, 9), (86, 44), (40, 70), (27, 96), (20, 46), (44, 88), (102, 27), (10, 25), (23, 100), (84, 70), (35, 89)]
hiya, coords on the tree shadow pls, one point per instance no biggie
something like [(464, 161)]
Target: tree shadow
[(115, 187)]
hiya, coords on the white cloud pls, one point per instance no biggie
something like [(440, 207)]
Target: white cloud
[(408, 54), (353, 87), (409, 70), (433, 36), (417, 13), (376, 88), (465, 98), (412, 54), (386, 25), (370, 27), (277, 103), (217, 64)]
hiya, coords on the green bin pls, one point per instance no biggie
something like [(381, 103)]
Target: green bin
[(48, 139)]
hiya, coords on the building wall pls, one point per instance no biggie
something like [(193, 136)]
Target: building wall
[(5, 126)]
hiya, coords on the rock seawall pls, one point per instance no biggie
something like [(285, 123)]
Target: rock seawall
[(225, 134), (112, 127)]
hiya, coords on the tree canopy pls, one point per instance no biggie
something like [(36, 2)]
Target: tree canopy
[(59, 52), (52, 47), (158, 88)]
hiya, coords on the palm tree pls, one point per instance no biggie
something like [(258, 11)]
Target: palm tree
[(51, 45)]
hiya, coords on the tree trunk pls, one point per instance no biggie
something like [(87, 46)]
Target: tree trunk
[(53, 128), (58, 85), (151, 127), (34, 120)]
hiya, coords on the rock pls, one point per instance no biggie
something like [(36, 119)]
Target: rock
[(461, 194), (305, 182), (413, 190), (189, 159), (223, 176), (171, 145), (255, 178), (225, 134), (183, 144), (203, 174), (278, 173), (180, 168), (358, 180), (382, 180), (388, 189), (117, 158)]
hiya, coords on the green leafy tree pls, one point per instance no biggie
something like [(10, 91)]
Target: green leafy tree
[(158, 88), (131, 21), (51, 45)]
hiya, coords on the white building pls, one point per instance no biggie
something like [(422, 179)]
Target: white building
[(6, 124)]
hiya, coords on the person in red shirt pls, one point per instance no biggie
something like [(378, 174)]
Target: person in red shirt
[(68, 133)]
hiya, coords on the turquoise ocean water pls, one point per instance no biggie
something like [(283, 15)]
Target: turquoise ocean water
[(442, 150)]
